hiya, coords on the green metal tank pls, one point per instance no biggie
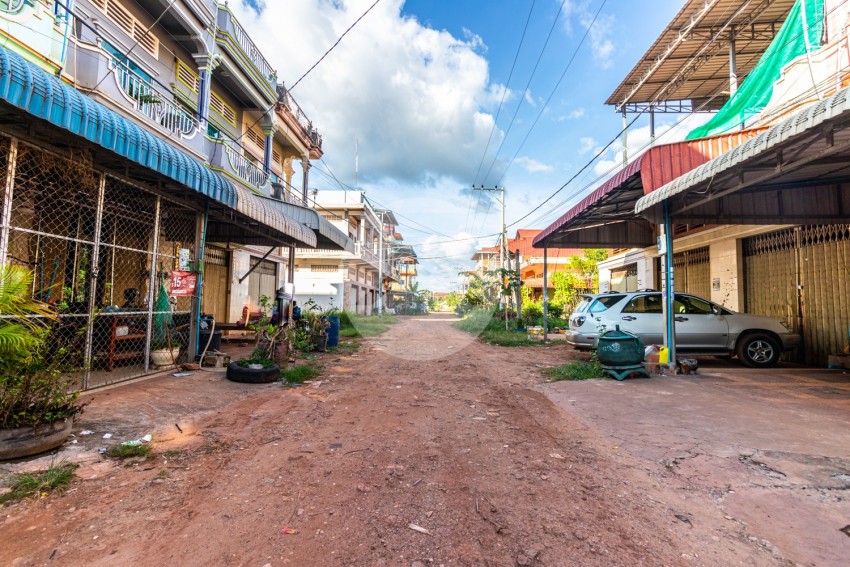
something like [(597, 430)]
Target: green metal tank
[(621, 354)]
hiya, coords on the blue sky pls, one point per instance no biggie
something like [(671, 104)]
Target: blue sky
[(418, 84)]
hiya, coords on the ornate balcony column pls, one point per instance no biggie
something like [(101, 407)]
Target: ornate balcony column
[(305, 182), (268, 129), (206, 64)]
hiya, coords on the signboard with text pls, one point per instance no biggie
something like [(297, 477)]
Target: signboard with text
[(183, 284)]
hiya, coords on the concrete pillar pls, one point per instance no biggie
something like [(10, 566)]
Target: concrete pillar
[(726, 266)]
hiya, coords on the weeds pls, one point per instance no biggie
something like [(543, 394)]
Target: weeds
[(129, 451), (492, 330), (57, 477), (352, 325), (576, 370), (299, 373)]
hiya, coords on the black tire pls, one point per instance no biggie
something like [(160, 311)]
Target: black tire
[(236, 373), (758, 350)]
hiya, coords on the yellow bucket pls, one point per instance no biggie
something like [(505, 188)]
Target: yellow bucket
[(663, 355)]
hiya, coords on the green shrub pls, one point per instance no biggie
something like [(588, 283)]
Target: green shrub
[(128, 451)]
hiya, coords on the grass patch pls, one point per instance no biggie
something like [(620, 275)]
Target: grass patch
[(56, 478), (299, 373), (576, 370), (129, 451), (352, 325), (492, 331)]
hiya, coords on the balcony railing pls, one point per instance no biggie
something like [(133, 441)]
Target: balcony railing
[(365, 253), (153, 104), (252, 51), (288, 101), (11, 6), (243, 167)]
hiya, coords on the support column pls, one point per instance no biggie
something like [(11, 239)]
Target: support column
[(733, 63), (95, 272), (305, 180), (268, 130), (545, 291), (194, 348), (669, 291), (206, 64), (651, 127), (625, 139)]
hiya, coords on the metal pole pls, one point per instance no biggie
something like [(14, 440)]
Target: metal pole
[(518, 291), (651, 127), (95, 273), (733, 63), (545, 291), (625, 139), (152, 286), (381, 267), (669, 292), (8, 195), (200, 251), (502, 250)]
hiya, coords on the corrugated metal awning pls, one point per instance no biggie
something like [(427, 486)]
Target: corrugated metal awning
[(606, 217), (328, 237), (44, 96), (795, 172)]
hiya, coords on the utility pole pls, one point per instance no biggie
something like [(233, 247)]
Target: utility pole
[(504, 243)]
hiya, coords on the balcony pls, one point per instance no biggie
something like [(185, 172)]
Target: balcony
[(233, 37), (147, 104), (155, 105), (366, 254), (227, 157), (288, 107)]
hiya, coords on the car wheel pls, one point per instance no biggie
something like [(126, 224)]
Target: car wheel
[(758, 350)]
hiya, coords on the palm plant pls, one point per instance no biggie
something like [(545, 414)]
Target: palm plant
[(23, 319)]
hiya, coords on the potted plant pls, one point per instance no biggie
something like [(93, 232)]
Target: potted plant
[(271, 350), (164, 352), (37, 404)]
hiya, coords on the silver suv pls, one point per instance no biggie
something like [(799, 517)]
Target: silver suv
[(702, 327)]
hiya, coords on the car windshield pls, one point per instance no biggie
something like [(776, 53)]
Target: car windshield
[(602, 303)]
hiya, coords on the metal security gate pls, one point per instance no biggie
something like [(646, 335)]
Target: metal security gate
[(692, 271), (99, 249), (216, 280), (624, 279), (799, 275)]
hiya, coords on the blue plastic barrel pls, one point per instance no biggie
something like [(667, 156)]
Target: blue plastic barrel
[(333, 331)]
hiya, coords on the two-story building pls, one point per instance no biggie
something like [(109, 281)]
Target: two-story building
[(147, 151), (348, 279)]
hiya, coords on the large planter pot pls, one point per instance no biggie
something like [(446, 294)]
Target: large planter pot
[(164, 357), (236, 373), (24, 441), (322, 343)]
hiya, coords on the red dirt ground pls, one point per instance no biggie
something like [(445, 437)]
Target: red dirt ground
[(421, 449)]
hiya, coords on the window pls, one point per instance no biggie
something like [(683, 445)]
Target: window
[(188, 77), (131, 26), (223, 109), (690, 305), (123, 60), (603, 303), (323, 268), (644, 304)]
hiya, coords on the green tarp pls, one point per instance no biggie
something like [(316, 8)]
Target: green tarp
[(755, 92)]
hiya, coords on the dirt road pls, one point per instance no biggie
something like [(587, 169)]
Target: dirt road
[(423, 448)]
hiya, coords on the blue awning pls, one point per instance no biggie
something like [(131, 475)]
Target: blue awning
[(45, 96)]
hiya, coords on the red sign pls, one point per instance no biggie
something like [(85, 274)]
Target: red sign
[(183, 283)]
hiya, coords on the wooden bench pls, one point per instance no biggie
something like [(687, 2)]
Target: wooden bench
[(241, 325)]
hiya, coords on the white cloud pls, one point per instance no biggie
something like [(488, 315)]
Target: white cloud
[(587, 144), (530, 99), (572, 115), (413, 97), (532, 165), (600, 31)]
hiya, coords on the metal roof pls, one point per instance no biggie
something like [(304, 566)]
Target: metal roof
[(690, 59), (798, 171), (328, 237), (606, 217)]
